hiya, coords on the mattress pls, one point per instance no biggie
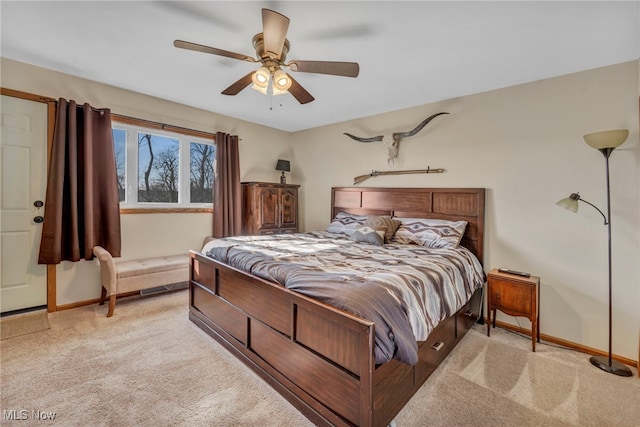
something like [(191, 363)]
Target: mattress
[(407, 290)]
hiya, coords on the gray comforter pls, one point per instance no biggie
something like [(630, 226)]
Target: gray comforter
[(405, 289)]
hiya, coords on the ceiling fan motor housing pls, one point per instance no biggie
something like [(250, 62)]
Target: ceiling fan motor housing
[(267, 60)]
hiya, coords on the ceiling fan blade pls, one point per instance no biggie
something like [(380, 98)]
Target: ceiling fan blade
[(212, 50), (299, 92), (345, 69), (236, 87), (274, 29)]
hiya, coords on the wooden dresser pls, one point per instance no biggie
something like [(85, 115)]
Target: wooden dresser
[(269, 208)]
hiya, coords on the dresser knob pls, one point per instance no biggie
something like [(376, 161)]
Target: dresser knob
[(498, 295)]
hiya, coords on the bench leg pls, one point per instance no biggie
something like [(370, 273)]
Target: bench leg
[(103, 295), (112, 305)]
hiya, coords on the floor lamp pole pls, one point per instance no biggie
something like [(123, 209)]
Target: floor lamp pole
[(608, 364), (605, 142)]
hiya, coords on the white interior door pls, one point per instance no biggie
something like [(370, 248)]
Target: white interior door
[(23, 156)]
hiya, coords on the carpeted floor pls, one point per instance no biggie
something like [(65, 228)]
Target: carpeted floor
[(149, 365), (23, 324)]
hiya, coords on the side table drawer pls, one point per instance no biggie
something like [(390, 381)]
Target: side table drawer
[(511, 296)]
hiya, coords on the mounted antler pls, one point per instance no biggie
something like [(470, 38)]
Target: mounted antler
[(393, 141)]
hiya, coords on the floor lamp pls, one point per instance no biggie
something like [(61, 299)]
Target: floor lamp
[(605, 142)]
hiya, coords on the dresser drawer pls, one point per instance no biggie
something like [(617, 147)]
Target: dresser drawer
[(469, 314), (438, 345), (266, 231)]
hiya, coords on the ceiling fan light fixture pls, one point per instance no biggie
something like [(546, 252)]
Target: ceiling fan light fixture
[(281, 81), (277, 91), (261, 80), (260, 88), (271, 47)]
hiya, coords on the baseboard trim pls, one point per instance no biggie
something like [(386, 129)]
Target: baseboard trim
[(77, 304), (124, 294), (568, 344)]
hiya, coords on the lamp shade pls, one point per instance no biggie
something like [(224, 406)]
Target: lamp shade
[(261, 80), (283, 165), (607, 139), (281, 82), (570, 203)]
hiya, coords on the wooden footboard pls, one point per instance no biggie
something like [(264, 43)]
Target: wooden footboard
[(319, 358)]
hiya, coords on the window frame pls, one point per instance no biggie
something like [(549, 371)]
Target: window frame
[(133, 127)]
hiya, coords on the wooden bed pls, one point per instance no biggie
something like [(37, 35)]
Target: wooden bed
[(320, 358)]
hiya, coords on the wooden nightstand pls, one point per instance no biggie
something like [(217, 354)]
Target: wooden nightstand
[(514, 295)]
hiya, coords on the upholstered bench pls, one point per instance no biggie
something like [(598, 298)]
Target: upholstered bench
[(118, 277)]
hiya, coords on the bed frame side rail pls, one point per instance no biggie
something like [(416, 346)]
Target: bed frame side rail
[(320, 358)]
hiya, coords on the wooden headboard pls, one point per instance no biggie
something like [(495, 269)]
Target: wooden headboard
[(454, 204)]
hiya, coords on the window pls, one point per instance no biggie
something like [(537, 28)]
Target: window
[(157, 168)]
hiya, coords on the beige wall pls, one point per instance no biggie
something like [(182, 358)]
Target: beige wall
[(148, 234), (524, 144)]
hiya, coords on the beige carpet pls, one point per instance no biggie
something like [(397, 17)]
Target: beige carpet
[(23, 324), (149, 365)]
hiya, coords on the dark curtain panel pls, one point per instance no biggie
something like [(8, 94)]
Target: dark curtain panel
[(227, 217), (81, 208)]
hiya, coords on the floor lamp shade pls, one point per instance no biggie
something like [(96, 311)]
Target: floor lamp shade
[(605, 142), (570, 203), (607, 138)]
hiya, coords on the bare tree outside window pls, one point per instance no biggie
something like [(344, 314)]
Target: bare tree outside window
[(167, 169), (120, 147), (144, 140), (158, 163), (202, 167), (158, 169)]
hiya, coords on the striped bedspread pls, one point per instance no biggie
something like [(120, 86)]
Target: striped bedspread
[(405, 289)]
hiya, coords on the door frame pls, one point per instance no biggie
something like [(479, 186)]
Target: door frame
[(51, 115)]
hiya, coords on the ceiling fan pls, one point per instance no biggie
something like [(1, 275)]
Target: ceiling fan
[(271, 47)]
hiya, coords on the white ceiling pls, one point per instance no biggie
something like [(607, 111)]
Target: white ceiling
[(410, 53)]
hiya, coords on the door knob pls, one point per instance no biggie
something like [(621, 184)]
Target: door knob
[(38, 219), (38, 204)]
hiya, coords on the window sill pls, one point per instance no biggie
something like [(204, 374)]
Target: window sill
[(127, 211)]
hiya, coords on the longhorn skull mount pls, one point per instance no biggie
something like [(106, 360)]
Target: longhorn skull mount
[(392, 141)]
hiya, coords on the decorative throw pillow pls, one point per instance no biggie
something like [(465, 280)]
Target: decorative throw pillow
[(384, 221), (434, 233), (346, 223), (366, 234)]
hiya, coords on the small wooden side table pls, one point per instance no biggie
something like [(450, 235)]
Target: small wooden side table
[(514, 295)]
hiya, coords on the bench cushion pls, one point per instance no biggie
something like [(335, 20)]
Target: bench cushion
[(151, 265)]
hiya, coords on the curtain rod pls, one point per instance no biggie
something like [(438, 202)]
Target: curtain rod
[(163, 126), (56, 101)]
